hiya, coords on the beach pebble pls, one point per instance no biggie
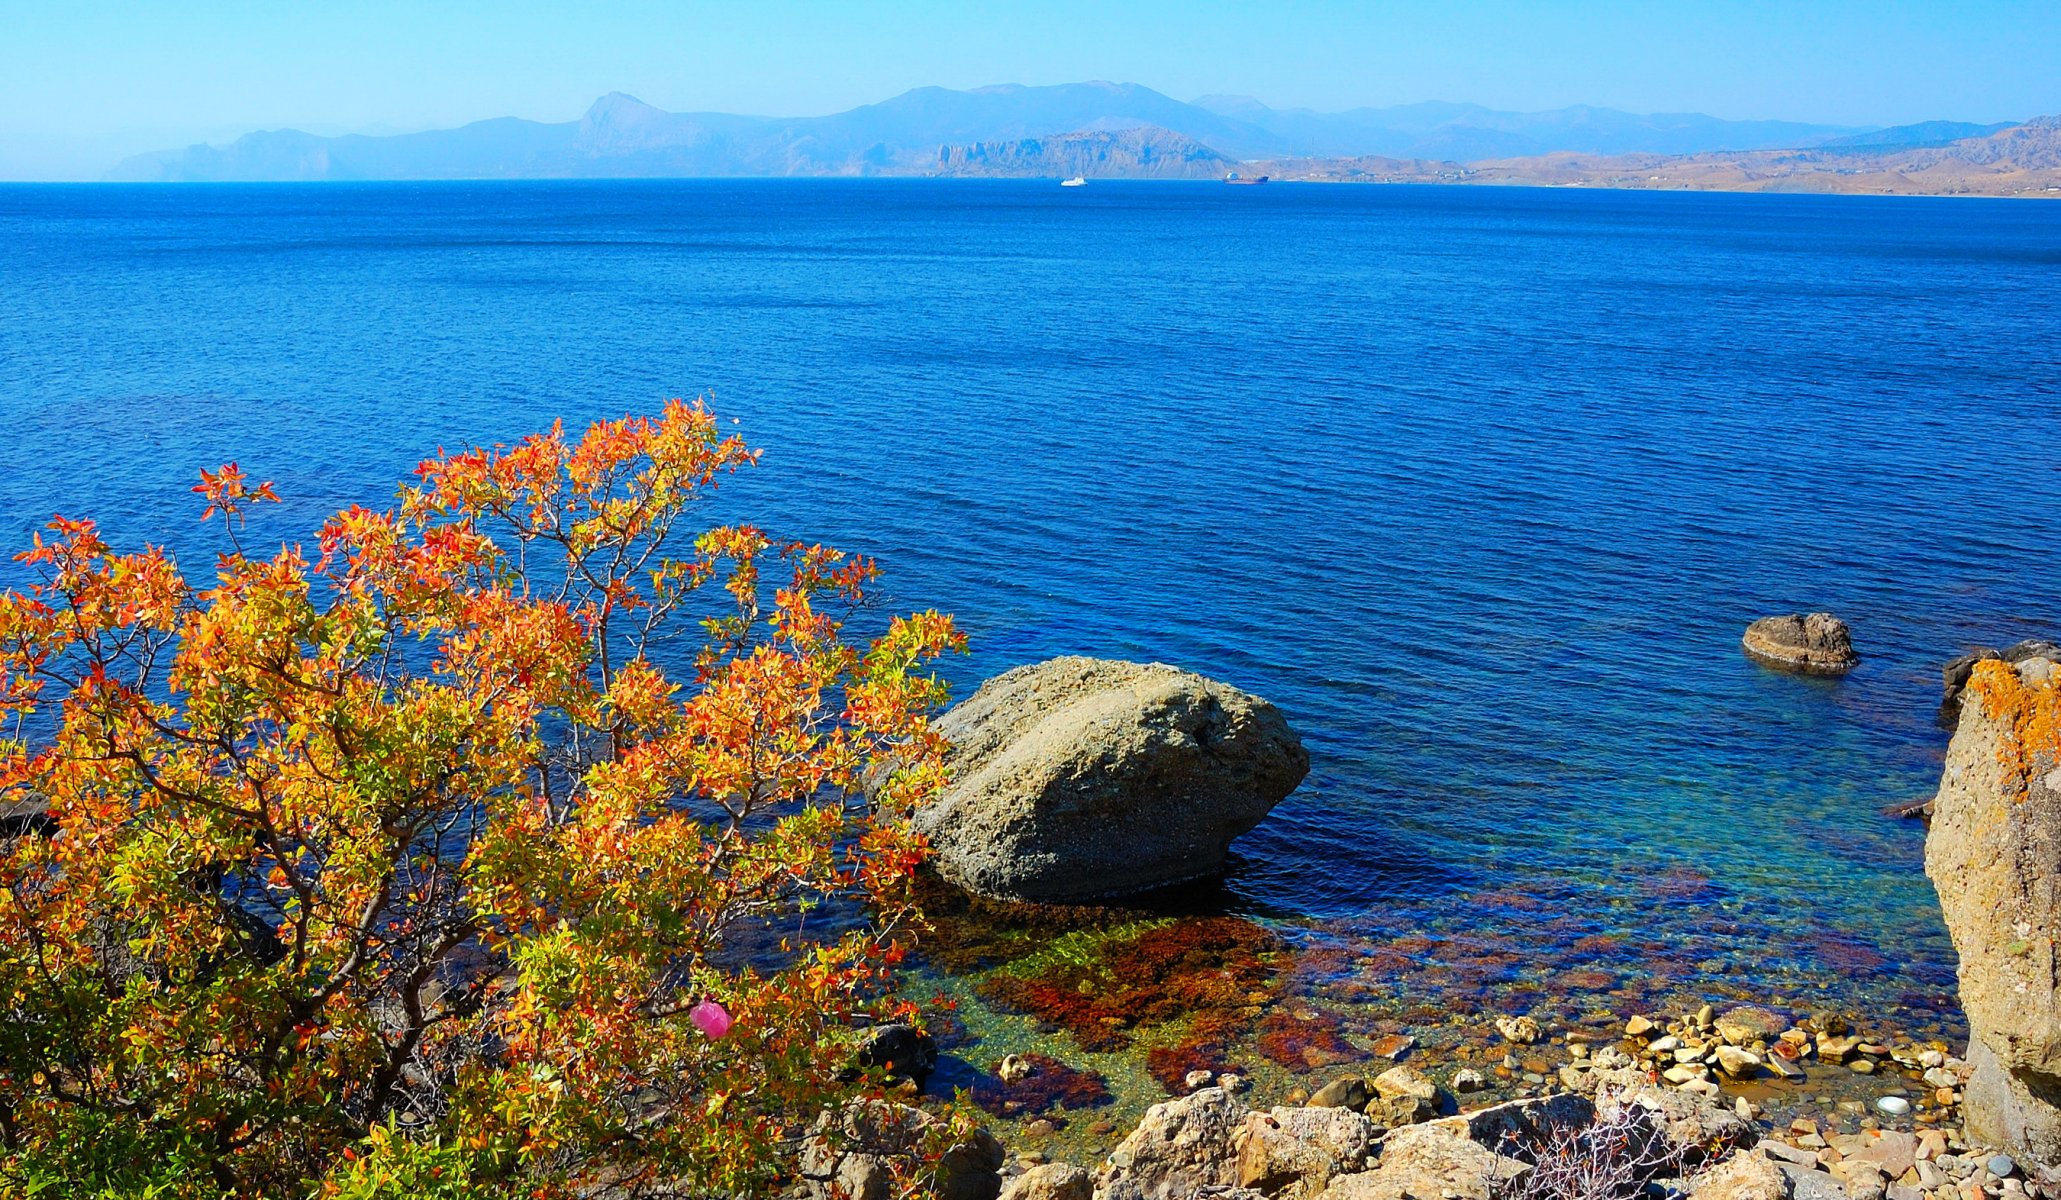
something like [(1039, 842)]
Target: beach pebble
[(1638, 1027), (1895, 1106), (1231, 1083), (2000, 1165), (1467, 1079), (1522, 1031), (1198, 1079)]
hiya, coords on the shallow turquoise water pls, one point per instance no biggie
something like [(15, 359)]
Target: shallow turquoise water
[(1479, 485)]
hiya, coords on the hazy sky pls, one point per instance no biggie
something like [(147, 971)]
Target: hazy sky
[(88, 81)]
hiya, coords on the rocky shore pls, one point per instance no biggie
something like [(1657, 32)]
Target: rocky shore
[(1695, 1104)]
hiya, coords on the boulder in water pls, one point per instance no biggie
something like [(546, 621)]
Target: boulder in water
[(1080, 779), (1809, 643)]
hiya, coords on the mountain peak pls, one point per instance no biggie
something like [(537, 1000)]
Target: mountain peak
[(620, 108)]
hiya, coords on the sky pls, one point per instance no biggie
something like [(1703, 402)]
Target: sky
[(83, 82)]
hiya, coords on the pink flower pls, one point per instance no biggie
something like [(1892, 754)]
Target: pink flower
[(711, 1018)]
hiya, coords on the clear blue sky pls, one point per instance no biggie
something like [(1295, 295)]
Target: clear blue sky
[(92, 80)]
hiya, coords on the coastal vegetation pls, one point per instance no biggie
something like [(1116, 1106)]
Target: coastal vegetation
[(460, 850)]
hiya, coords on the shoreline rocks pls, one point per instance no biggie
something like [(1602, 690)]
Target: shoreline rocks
[(1081, 779), (1807, 643)]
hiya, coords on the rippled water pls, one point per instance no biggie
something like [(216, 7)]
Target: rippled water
[(1479, 485)]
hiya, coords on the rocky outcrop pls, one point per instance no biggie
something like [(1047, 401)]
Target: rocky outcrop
[(1079, 779), (1953, 676), (1994, 856), (1809, 643)]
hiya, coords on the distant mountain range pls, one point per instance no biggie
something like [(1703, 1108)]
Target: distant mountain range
[(2015, 160), (941, 131)]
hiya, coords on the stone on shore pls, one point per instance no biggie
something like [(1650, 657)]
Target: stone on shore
[(1080, 779), (1298, 1151), (1051, 1181), (1747, 1176), (1428, 1162), (1810, 643), (1994, 855)]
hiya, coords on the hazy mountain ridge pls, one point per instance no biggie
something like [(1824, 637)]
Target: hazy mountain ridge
[(2018, 160), (620, 136)]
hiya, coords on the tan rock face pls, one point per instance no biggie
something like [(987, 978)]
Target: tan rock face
[(1748, 1176), (1298, 1151), (1179, 1147), (1078, 779), (1994, 856), (1051, 1181), (1810, 643), (1424, 1162)]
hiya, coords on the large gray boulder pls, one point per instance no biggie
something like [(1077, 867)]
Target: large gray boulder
[(1994, 855), (1808, 643), (1079, 779)]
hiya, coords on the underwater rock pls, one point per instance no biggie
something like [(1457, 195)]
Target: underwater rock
[(1079, 779), (1994, 855), (1811, 643), (1521, 1031), (902, 1051)]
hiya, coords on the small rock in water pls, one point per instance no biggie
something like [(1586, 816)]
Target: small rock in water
[(1895, 1106), (1638, 1027), (2000, 1165), (1347, 1092), (1196, 1080), (1467, 1079), (1015, 1067), (1739, 1064), (1521, 1030), (1395, 1045)]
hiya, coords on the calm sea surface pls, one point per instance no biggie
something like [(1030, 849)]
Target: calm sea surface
[(1480, 486)]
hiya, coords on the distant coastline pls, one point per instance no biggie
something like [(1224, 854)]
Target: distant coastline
[(1125, 131)]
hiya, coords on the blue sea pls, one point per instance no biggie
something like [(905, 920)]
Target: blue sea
[(1479, 485)]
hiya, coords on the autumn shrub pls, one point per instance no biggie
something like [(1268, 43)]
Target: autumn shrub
[(419, 860)]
